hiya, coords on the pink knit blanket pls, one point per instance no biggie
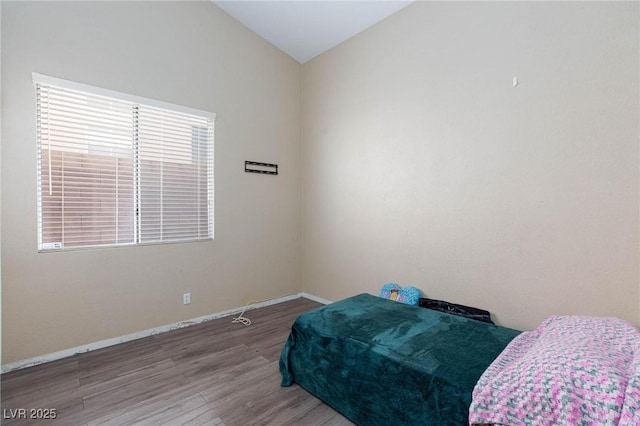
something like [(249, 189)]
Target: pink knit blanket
[(569, 371)]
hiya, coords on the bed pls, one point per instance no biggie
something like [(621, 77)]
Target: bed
[(571, 370), (379, 362)]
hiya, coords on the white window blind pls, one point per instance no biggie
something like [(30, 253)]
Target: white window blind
[(114, 169)]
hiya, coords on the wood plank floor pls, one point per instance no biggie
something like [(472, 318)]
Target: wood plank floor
[(215, 373)]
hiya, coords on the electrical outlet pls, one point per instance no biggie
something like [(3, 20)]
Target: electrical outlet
[(186, 298)]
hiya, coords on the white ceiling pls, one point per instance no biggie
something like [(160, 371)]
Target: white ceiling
[(304, 29)]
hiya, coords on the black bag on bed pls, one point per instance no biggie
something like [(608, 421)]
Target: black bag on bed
[(455, 309)]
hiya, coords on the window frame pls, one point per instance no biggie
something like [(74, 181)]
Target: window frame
[(137, 100)]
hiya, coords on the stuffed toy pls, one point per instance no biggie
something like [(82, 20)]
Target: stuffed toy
[(406, 295)]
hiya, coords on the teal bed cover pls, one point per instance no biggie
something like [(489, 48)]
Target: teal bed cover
[(380, 362)]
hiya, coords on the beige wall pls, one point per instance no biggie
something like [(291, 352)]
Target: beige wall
[(424, 166), (186, 53), (0, 185)]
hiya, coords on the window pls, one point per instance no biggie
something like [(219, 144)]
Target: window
[(115, 169)]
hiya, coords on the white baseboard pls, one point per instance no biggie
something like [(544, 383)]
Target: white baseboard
[(315, 298), (149, 332)]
